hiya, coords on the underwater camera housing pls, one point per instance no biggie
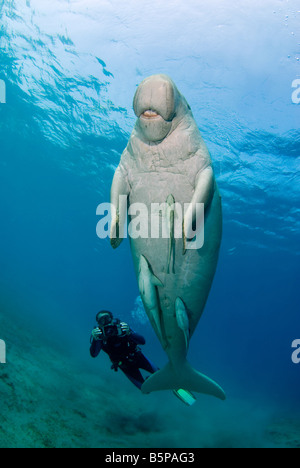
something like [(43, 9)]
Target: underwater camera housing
[(111, 330)]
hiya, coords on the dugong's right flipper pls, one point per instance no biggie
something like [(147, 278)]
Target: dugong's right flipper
[(203, 194), (119, 192)]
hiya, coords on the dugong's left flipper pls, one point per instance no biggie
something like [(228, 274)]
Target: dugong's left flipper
[(119, 192), (203, 194)]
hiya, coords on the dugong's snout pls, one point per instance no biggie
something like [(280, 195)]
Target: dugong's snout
[(157, 93), (155, 106), (149, 114)]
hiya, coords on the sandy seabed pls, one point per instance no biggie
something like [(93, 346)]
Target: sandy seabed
[(50, 398)]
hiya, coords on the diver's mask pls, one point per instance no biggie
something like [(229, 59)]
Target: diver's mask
[(104, 319)]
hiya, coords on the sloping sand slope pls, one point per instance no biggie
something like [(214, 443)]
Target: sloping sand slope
[(50, 399)]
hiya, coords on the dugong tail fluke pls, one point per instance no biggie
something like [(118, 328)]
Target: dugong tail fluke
[(185, 377)]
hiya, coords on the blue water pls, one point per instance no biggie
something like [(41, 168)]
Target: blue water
[(71, 70)]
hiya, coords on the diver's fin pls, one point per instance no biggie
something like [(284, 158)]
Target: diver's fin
[(184, 377), (183, 320), (186, 397)]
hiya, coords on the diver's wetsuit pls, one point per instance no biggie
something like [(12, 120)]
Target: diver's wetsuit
[(124, 353)]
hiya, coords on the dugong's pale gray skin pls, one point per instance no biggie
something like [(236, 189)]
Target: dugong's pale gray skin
[(165, 159)]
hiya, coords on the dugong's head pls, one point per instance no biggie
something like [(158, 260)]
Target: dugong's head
[(155, 104)]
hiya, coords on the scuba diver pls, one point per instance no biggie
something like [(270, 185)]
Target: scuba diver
[(121, 344)]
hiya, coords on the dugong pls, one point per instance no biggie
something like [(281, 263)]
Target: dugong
[(167, 160)]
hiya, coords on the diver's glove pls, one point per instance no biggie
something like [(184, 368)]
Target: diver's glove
[(125, 328), (97, 334)]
